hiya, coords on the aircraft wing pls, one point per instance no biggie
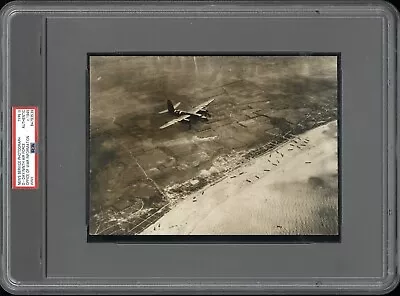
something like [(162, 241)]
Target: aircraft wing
[(201, 106), (173, 121)]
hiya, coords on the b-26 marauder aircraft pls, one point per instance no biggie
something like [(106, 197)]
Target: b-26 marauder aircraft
[(199, 112)]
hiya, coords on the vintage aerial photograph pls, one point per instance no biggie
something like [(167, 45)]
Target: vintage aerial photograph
[(213, 145)]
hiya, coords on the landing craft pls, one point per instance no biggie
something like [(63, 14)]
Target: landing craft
[(199, 112)]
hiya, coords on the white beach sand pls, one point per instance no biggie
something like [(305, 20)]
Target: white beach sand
[(297, 195)]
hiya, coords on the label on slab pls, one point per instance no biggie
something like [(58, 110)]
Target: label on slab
[(24, 147)]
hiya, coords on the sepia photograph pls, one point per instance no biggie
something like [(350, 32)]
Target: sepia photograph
[(214, 145)]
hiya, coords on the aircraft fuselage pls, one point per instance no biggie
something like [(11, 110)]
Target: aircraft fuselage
[(199, 114)]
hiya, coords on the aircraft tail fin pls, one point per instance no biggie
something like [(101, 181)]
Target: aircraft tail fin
[(171, 108)]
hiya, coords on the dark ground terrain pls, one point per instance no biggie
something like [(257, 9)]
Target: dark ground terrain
[(138, 172)]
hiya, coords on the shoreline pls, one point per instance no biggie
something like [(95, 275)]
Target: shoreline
[(290, 191)]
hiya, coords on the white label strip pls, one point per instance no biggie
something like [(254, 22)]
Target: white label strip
[(24, 148)]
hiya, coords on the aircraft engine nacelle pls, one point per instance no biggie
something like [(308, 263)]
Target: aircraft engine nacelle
[(204, 113)]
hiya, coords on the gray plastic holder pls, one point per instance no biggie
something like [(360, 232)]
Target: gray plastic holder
[(45, 47)]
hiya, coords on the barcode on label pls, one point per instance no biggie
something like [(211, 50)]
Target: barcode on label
[(24, 147)]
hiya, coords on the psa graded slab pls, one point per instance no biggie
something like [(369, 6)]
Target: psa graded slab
[(217, 147)]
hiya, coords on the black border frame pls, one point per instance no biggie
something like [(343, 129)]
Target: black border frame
[(215, 239)]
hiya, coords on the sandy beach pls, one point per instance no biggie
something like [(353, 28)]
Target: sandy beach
[(291, 190)]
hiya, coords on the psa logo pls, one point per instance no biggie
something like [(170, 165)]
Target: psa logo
[(33, 147)]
